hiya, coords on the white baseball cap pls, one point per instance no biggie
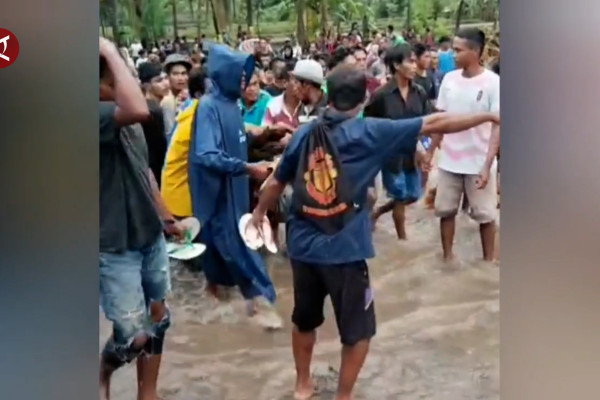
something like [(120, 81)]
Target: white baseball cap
[(309, 70)]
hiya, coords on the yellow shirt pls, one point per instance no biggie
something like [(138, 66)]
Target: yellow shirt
[(175, 188)]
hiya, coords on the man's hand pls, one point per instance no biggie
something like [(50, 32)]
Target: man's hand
[(254, 130), (426, 162), (285, 140), (183, 95), (259, 171), (256, 222), (175, 229), (482, 179), (280, 129), (495, 118)]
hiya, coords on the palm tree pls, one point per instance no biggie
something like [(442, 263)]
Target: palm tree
[(301, 26), (199, 18), (191, 7), (174, 11), (459, 12), (220, 16), (408, 13), (112, 9), (323, 11), (249, 19)]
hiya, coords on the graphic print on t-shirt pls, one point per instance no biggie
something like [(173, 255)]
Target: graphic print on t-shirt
[(322, 193), (321, 181)]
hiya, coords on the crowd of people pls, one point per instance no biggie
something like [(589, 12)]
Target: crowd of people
[(302, 136)]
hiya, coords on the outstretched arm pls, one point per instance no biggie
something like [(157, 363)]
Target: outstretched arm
[(388, 137), (444, 123)]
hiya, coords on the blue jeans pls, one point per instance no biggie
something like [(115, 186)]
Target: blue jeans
[(129, 282)]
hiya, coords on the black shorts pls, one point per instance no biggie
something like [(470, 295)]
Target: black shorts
[(349, 288)]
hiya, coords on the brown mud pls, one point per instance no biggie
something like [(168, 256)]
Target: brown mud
[(438, 329)]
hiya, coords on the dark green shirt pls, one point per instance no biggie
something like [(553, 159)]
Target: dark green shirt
[(128, 217)]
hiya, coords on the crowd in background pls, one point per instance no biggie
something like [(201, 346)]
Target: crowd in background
[(218, 125), (166, 68)]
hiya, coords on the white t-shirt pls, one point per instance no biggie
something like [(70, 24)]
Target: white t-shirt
[(140, 61), (465, 152), (135, 49)]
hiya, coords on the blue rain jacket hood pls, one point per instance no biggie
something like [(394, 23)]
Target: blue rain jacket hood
[(225, 69)]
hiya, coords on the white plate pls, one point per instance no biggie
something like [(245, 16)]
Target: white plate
[(305, 119), (182, 251), (268, 236), (192, 225), (249, 234)]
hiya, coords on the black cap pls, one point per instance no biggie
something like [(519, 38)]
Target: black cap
[(148, 71)]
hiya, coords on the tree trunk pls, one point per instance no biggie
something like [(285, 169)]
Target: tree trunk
[(258, 4), (324, 22), (199, 19), (365, 22), (227, 8), (249, 18), (114, 21), (191, 7), (301, 26), (496, 14), (207, 13), (220, 16), (174, 10), (408, 14), (102, 24), (459, 12), (141, 28)]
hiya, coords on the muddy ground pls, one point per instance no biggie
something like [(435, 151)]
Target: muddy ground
[(438, 330)]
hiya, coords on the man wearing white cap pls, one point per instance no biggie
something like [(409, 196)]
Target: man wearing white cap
[(308, 76)]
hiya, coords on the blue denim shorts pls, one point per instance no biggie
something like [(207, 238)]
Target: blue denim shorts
[(129, 282), (404, 186)]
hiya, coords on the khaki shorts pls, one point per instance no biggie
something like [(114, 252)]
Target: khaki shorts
[(483, 203)]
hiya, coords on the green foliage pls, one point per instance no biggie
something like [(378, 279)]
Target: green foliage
[(277, 18), (155, 18)]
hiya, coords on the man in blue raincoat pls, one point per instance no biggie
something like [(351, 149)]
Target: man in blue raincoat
[(219, 178)]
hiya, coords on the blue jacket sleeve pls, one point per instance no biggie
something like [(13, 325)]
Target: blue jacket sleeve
[(390, 137), (208, 145)]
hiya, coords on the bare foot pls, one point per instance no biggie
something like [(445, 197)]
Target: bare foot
[(450, 262), (213, 290), (265, 316), (448, 258), (305, 391), (251, 308)]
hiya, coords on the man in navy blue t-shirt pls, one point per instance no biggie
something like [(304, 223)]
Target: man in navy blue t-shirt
[(334, 264)]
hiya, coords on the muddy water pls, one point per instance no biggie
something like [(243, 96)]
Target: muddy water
[(438, 330)]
